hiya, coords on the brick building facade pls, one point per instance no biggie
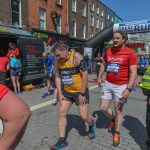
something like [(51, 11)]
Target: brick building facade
[(48, 6), (20, 12), (76, 16)]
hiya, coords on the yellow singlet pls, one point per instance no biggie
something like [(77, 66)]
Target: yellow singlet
[(70, 75)]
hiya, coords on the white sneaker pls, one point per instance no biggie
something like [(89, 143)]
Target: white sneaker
[(54, 101)]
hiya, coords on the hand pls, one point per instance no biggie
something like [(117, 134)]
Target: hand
[(99, 82), (82, 100), (61, 98), (125, 94)]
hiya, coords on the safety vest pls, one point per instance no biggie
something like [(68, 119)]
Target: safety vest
[(70, 75), (145, 84)]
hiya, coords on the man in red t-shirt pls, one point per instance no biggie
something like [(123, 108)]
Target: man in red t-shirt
[(121, 63)]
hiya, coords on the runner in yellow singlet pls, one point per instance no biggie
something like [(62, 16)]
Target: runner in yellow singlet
[(72, 85)]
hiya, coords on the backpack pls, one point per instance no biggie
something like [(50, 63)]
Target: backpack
[(145, 84)]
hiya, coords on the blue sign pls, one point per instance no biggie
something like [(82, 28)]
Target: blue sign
[(133, 27)]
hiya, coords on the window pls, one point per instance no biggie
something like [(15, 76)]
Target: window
[(83, 31), (74, 5), (102, 13), (92, 35), (92, 21), (112, 19), (92, 6), (97, 10), (97, 23), (58, 26), (102, 25), (73, 26), (42, 15), (83, 10), (16, 12), (58, 2), (108, 17)]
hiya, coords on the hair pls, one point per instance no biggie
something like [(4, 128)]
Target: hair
[(123, 34), (60, 46)]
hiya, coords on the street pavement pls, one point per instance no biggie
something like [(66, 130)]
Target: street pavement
[(42, 130)]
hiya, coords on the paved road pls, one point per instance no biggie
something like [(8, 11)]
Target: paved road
[(42, 130)]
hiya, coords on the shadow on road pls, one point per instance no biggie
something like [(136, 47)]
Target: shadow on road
[(102, 121), (75, 121), (136, 130)]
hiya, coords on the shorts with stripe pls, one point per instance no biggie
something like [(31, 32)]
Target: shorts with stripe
[(113, 92)]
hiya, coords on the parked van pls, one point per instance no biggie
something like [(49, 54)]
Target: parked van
[(30, 49)]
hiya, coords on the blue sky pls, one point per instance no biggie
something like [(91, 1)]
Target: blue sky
[(130, 10)]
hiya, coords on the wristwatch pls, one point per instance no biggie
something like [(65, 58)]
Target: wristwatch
[(83, 94), (129, 89)]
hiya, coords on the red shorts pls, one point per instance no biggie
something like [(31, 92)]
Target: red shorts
[(3, 90)]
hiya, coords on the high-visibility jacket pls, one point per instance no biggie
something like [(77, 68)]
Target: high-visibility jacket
[(145, 84)]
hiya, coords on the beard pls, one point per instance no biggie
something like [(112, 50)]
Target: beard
[(118, 46)]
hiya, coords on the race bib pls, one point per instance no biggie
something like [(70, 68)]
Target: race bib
[(113, 68), (67, 80)]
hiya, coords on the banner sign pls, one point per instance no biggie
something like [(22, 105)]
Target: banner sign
[(133, 27), (135, 45)]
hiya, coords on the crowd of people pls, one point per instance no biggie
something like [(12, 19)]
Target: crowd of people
[(67, 74)]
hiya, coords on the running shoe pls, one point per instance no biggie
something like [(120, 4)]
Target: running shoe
[(92, 131), (51, 92), (116, 139), (148, 143), (45, 95), (19, 92), (59, 145), (54, 101), (111, 127)]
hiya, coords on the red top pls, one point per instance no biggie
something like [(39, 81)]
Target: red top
[(4, 61), (118, 62), (3, 91), (15, 52)]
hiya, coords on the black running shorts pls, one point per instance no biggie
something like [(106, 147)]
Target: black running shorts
[(73, 97)]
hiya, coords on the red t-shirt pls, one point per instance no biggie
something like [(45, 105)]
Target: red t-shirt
[(15, 52), (3, 91), (118, 63), (4, 61)]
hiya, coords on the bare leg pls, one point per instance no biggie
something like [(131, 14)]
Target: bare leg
[(13, 78), (48, 86), (118, 116), (18, 83), (63, 111), (84, 113), (15, 113), (105, 108)]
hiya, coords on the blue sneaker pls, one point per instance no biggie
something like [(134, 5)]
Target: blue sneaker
[(134, 88), (59, 145), (92, 131), (19, 92), (51, 92), (45, 95)]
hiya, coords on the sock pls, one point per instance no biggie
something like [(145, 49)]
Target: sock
[(117, 132), (62, 139)]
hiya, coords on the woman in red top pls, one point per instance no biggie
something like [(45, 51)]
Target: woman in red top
[(13, 50), (14, 113)]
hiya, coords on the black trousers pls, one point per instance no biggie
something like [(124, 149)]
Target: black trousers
[(148, 117)]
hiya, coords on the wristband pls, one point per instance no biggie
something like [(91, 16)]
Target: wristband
[(83, 94), (129, 89)]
